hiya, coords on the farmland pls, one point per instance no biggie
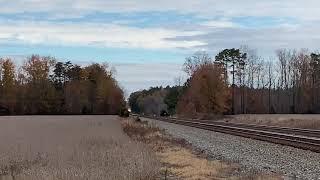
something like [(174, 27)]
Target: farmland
[(71, 147)]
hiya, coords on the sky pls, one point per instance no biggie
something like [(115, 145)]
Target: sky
[(147, 41)]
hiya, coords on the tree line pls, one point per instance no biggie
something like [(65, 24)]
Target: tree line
[(239, 81), (44, 85)]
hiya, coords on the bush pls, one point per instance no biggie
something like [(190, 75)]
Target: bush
[(124, 113)]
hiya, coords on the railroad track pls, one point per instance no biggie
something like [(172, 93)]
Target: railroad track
[(300, 138)]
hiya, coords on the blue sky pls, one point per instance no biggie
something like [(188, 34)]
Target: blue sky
[(144, 39)]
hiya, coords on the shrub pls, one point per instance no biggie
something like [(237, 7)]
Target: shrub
[(124, 112)]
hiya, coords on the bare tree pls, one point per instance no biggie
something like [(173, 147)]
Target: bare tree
[(195, 61)]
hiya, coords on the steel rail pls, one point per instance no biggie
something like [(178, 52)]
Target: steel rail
[(287, 130), (295, 137)]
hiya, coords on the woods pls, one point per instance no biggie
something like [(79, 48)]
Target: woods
[(239, 81), (235, 81), (288, 84), (204, 93), (43, 85)]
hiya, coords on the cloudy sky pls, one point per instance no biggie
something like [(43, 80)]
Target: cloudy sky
[(148, 40)]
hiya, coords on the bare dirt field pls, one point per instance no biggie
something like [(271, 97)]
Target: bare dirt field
[(71, 148), (308, 121)]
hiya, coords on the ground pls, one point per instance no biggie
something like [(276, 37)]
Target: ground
[(71, 148), (308, 121), (252, 155), (102, 148), (182, 160)]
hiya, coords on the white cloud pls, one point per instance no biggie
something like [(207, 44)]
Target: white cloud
[(266, 40), (94, 35), (202, 36), (209, 35), (218, 24), (142, 76), (300, 9)]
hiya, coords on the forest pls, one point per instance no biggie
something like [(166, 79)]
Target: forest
[(44, 85), (238, 81)]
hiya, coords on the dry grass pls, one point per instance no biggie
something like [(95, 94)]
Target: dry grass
[(71, 148), (184, 163), (284, 120), (179, 158)]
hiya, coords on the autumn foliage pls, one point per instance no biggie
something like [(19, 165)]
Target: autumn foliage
[(42, 85), (204, 94), (207, 93), (238, 81)]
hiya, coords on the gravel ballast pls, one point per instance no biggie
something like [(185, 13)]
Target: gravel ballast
[(253, 155)]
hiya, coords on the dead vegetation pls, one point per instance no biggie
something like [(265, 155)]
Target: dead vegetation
[(180, 160), (71, 148), (307, 121)]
